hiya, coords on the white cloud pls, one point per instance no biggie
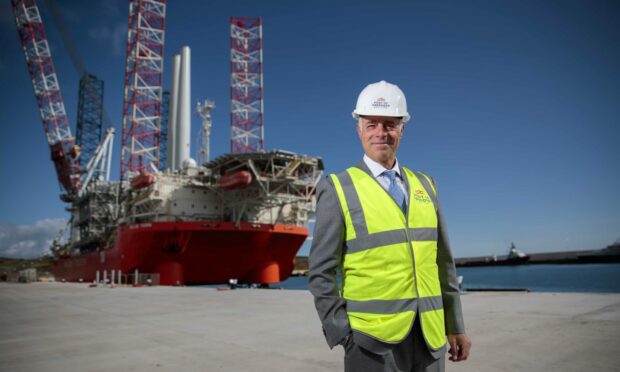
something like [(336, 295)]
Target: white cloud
[(29, 241), (116, 36)]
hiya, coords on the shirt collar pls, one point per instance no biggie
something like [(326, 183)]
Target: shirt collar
[(376, 169)]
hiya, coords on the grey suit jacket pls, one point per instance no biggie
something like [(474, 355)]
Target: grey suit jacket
[(326, 256)]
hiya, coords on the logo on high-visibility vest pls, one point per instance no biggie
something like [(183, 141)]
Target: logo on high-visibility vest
[(421, 196)]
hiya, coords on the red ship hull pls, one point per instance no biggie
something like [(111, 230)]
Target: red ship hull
[(193, 253)]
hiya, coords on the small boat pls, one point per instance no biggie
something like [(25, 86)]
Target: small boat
[(514, 257)]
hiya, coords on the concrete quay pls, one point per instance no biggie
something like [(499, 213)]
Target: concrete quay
[(70, 327)]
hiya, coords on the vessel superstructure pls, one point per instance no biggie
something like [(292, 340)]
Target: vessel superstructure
[(240, 217)]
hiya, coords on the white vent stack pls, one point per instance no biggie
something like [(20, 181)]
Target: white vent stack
[(180, 111), (184, 110), (172, 113)]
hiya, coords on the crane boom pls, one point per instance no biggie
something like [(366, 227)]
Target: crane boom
[(32, 36)]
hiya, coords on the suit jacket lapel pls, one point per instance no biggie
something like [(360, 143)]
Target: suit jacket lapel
[(362, 165)]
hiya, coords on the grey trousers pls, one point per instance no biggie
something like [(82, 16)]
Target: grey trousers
[(411, 355)]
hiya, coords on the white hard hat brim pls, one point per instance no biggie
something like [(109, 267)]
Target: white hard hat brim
[(403, 120)]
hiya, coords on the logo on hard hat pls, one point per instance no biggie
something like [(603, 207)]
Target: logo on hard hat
[(380, 103)]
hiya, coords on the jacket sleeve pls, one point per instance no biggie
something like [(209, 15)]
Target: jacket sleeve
[(447, 277), (325, 257)]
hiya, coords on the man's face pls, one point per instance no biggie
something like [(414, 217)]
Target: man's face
[(380, 136)]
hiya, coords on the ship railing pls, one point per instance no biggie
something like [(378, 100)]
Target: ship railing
[(158, 216), (116, 277), (147, 279)]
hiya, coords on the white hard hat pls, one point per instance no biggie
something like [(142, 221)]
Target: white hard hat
[(382, 99)]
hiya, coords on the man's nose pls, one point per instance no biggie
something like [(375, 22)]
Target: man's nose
[(381, 130)]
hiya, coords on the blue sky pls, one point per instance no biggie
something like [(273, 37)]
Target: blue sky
[(514, 105)]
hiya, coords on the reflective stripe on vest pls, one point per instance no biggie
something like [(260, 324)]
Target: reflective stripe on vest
[(389, 266)]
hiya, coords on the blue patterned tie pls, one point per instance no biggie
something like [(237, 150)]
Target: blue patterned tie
[(394, 190)]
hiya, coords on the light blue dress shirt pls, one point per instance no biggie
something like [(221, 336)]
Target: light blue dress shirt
[(377, 171)]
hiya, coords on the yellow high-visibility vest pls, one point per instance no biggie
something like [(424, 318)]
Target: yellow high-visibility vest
[(389, 266)]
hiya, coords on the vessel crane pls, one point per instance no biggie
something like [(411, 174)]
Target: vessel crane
[(64, 152), (91, 113), (204, 110)]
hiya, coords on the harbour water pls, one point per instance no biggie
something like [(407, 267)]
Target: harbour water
[(588, 278)]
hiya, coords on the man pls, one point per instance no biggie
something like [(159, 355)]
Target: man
[(382, 226)]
